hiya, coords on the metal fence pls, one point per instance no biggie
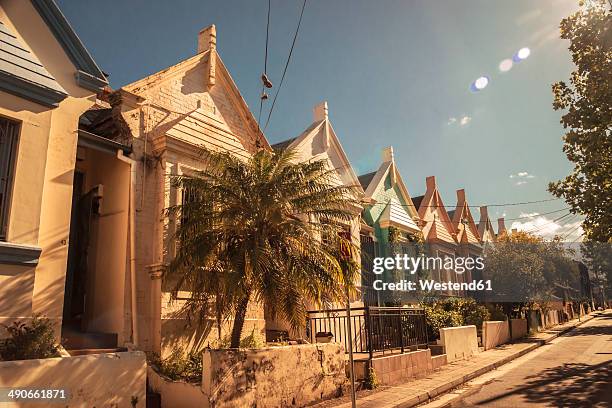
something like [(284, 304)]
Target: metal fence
[(374, 329)]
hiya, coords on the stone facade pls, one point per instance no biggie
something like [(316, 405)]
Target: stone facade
[(269, 378)]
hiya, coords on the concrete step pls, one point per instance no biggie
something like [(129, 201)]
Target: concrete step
[(83, 352), (75, 340)]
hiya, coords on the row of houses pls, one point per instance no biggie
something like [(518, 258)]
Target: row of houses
[(85, 175)]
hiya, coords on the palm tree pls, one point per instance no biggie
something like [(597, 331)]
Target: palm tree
[(263, 229)]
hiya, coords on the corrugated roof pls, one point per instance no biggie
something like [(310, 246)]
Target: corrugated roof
[(417, 201), (284, 144), (17, 61), (366, 179)]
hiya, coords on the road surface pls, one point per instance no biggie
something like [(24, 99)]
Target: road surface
[(574, 370)]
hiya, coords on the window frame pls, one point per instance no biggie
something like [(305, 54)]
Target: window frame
[(9, 129)]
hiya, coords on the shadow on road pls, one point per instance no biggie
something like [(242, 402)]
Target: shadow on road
[(571, 384)]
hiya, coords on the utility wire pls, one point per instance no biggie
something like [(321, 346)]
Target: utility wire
[(261, 99), (280, 85)]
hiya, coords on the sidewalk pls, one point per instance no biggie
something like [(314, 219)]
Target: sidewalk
[(452, 375)]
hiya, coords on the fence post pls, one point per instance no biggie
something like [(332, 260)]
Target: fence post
[(401, 330), (369, 331)]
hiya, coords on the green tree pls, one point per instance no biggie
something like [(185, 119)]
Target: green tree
[(527, 271), (587, 100), (266, 230)]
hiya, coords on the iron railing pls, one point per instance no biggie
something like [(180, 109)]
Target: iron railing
[(374, 329)]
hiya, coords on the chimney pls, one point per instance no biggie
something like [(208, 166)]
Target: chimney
[(461, 196), (387, 154), (501, 225), (207, 40), (430, 182), (320, 112), (484, 213)]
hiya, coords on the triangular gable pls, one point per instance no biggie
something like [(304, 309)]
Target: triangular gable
[(242, 134), (396, 212), (469, 234), (320, 140), (438, 226), (485, 227)]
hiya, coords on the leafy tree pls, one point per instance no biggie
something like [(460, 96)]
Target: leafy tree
[(525, 270), (598, 258), (587, 100), (265, 230)]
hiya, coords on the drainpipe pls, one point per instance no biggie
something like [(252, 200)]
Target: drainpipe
[(132, 213)]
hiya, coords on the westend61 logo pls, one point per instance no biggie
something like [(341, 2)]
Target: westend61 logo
[(435, 264)]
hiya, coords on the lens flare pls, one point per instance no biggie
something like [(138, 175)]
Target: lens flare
[(505, 65), (521, 54), (479, 84)]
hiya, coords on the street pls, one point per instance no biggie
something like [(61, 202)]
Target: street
[(573, 370)]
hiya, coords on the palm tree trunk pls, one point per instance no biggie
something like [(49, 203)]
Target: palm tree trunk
[(239, 322)]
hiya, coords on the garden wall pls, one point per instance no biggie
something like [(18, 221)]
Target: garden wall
[(401, 367), (459, 342), (519, 328), (96, 380), (495, 333), (274, 376), (176, 394)]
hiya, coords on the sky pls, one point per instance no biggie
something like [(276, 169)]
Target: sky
[(393, 73)]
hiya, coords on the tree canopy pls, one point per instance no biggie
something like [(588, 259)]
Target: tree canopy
[(266, 230), (587, 101)]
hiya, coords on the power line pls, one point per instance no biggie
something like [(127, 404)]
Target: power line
[(280, 85), (261, 99)]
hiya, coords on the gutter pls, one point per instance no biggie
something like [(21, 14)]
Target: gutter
[(132, 213)]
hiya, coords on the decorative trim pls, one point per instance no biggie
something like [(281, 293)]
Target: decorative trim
[(30, 91), (89, 82), (18, 254), (70, 42)]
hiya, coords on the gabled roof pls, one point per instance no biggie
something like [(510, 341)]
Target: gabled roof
[(284, 144), (89, 75), (417, 201), (395, 212), (322, 127), (485, 227), (20, 68), (439, 227), (463, 222), (142, 84), (366, 179), (23, 74)]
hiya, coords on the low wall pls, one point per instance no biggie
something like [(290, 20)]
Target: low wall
[(519, 328), (96, 380), (274, 376), (459, 342), (176, 394), (402, 367), (495, 333)]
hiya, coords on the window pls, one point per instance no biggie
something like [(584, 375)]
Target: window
[(8, 148)]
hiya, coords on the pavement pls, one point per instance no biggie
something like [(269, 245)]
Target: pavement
[(454, 375), (573, 370)]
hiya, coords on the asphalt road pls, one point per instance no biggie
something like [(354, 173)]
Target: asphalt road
[(574, 370)]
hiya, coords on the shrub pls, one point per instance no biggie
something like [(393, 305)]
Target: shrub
[(180, 366), (252, 341), (452, 312), (29, 341), (371, 381)]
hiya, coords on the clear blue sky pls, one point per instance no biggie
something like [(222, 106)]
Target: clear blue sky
[(394, 73)]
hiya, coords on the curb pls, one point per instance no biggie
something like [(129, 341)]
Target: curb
[(427, 397)]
